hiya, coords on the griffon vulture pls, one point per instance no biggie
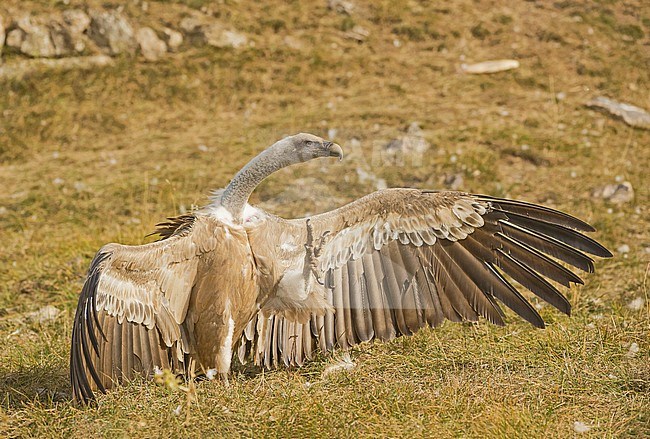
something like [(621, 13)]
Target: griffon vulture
[(234, 278)]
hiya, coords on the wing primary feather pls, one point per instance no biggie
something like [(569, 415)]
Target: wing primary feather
[(339, 314), (361, 320), (561, 233), (328, 320), (116, 372), (433, 308), (538, 261), (489, 281), (537, 212), (127, 352), (344, 327), (396, 278), (411, 302), (375, 299), (380, 278), (307, 341), (521, 269), (549, 245), (533, 281), (464, 296)]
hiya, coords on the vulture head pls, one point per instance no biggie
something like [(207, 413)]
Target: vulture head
[(303, 147), (289, 151)]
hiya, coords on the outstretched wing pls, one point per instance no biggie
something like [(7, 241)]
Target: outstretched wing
[(131, 315), (401, 259)]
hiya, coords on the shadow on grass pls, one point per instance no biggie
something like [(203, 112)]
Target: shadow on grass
[(47, 385)]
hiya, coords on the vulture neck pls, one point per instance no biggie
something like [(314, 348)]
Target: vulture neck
[(236, 194)]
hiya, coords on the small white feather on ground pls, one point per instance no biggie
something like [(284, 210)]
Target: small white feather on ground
[(580, 427), (636, 304), (344, 363), (495, 66)]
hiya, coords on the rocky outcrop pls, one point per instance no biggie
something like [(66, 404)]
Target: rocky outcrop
[(213, 33), (151, 46), (15, 38), (74, 31), (112, 32), (77, 22), (36, 41), (44, 37), (173, 38)]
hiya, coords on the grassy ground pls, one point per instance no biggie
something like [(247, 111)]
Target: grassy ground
[(93, 157)]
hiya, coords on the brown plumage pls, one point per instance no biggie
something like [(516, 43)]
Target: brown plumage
[(232, 277)]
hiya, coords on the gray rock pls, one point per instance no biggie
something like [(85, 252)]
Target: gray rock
[(615, 193), (44, 315), (623, 248), (15, 38), (213, 33), (151, 46), (412, 143), (37, 42), (112, 32), (173, 38), (341, 6), (77, 22), (358, 33), (192, 24), (61, 39), (217, 35), (2, 35), (454, 181), (632, 115)]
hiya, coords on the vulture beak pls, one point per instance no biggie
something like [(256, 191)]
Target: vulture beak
[(335, 150)]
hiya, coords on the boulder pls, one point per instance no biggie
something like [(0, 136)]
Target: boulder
[(112, 32), (341, 6), (151, 46), (45, 315), (37, 42), (632, 115), (619, 193), (173, 39), (77, 22), (15, 38), (61, 39), (218, 36), (192, 24), (211, 32), (358, 33)]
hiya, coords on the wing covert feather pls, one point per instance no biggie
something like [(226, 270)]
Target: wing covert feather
[(137, 298), (400, 259)]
